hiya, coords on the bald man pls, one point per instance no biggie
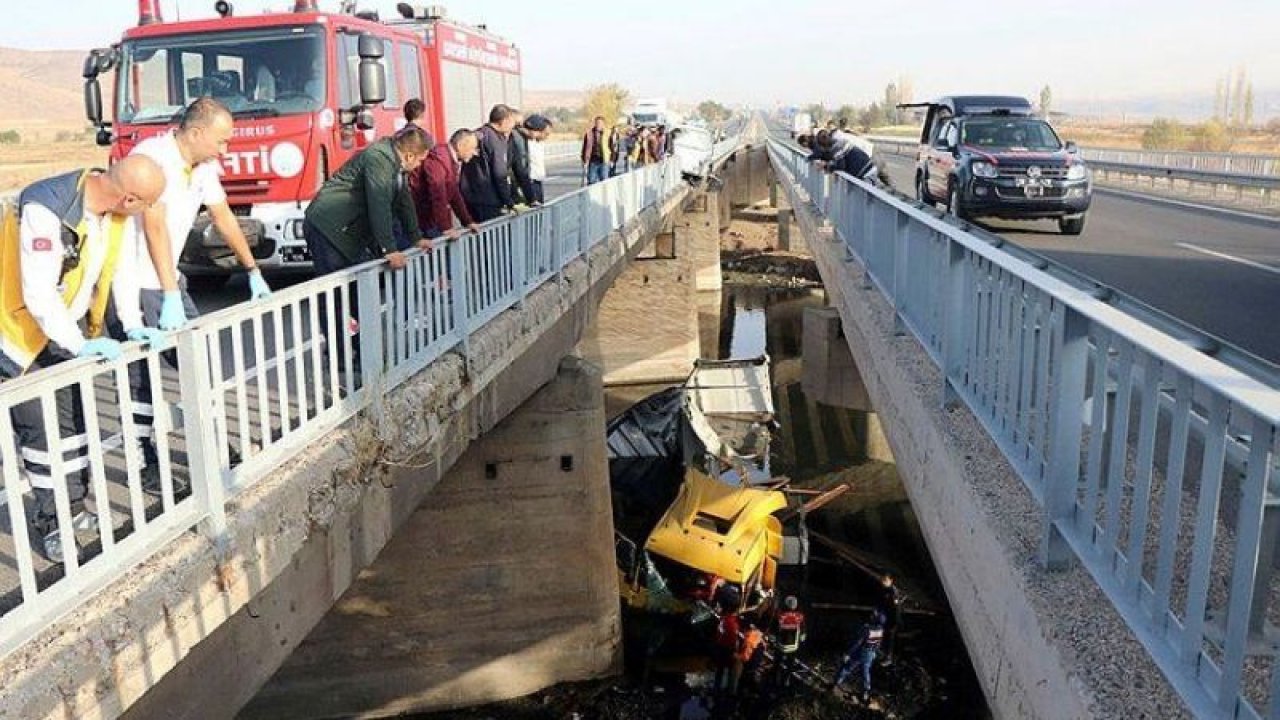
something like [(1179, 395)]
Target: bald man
[(72, 247)]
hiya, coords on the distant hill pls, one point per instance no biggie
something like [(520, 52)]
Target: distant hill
[(1188, 107), (535, 100), (41, 89)]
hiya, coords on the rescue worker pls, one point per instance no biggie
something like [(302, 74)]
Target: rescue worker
[(788, 633), (726, 647), (71, 247), (891, 606), (189, 157), (750, 656), (862, 654)]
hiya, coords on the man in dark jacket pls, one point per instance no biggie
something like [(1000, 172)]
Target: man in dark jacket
[(435, 185), (486, 181), (596, 151), (351, 219), (524, 190)]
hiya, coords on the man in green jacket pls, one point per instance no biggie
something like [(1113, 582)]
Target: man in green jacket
[(351, 220)]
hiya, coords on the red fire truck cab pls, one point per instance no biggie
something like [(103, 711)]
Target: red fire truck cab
[(308, 90)]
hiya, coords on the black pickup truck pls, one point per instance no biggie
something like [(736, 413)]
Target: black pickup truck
[(989, 156)]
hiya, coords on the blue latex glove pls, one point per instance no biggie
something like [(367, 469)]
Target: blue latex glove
[(101, 347), (258, 287), (172, 314), (150, 336)]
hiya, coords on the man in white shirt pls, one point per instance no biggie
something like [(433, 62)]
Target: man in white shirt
[(189, 158), (73, 246)]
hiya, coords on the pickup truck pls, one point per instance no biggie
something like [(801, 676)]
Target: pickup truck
[(989, 156)]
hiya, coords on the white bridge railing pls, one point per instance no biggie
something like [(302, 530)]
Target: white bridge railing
[(264, 380), (1120, 432)]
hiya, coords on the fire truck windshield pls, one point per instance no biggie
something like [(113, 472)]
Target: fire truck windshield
[(255, 73)]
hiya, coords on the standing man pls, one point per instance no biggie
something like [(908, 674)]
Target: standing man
[(536, 130), (71, 248), (596, 151), (188, 157), (620, 141), (486, 180), (414, 109), (519, 149), (862, 654), (435, 185), (890, 606)]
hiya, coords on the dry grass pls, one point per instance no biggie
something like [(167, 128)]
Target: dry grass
[(30, 160)]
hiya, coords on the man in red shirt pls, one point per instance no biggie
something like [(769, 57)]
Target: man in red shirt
[(436, 193)]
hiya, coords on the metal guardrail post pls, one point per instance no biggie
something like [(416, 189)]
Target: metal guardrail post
[(1066, 431), (372, 318), (200, 428)]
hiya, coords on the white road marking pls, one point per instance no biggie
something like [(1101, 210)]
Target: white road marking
[(1107, 190), (1223, 256)]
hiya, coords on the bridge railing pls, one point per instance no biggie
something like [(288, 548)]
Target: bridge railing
[(1120, 433), (259, 382)]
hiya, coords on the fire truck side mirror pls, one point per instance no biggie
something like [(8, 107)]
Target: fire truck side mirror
[(373, 75), (93, 101)]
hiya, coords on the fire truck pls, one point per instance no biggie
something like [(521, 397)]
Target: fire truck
[(308, 89)]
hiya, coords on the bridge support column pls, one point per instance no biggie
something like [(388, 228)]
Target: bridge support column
[(500, 584), (646, 330), (831, 377)]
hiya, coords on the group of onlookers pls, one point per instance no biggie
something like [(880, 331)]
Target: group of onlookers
[(607, 152)]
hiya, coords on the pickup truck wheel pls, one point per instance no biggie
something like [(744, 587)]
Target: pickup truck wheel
[(1071, 225), (922, 191), (953, 202)]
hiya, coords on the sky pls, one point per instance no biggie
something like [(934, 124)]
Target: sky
[(764, 53)]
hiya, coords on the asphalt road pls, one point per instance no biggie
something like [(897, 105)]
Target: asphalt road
[(1218, 272)]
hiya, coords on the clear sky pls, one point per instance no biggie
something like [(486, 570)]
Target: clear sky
[(763, 52)]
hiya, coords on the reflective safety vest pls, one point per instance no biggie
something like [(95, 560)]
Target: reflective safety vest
[(790, 630), (875, 636), (63, 195)]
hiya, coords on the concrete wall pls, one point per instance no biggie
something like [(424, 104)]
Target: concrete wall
[(501, 584), (1043, 644), (647, 327), (198, 628)]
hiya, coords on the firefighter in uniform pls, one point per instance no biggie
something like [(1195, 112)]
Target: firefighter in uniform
[(68, 249), (788, 632), (189, 158)]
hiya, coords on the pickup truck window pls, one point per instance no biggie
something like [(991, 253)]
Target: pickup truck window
[(1015, 133)]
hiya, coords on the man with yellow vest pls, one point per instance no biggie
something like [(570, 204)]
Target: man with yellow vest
[(71, 247)]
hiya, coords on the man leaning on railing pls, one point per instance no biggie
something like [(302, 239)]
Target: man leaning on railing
[(351, 219), (72, 245), (188, 156)]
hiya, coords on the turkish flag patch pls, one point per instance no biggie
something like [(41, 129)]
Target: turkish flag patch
[(42, 244)]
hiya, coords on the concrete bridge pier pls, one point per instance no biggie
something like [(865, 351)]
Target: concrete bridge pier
[(501, 584), (831, 377)]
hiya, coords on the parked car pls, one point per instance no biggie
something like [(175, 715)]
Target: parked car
[(990, 156)]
